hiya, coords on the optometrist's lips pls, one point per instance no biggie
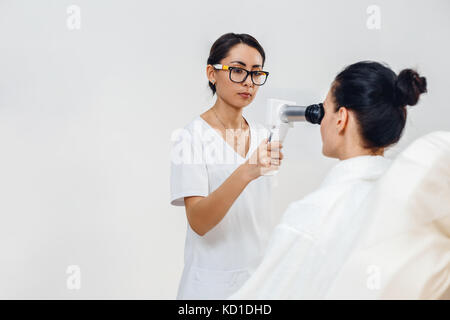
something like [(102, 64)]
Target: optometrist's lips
[(245, 95)]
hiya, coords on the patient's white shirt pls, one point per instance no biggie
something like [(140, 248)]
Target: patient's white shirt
[(315, 235)]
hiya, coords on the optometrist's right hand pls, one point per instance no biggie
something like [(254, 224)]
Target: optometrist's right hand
[(266, 158)]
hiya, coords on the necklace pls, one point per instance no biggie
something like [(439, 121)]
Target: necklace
[(242, 122), (236, 138)]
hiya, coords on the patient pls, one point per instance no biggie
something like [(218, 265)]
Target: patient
[(365, 112)]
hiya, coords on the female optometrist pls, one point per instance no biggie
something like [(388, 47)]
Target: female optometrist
[(220, 176)]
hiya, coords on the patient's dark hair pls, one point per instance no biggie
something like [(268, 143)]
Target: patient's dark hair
[(223, 45), (378, 97)]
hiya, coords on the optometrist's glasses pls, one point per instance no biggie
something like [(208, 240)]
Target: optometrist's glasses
[(239, 75)]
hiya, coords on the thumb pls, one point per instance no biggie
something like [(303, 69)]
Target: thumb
[(265, 141)]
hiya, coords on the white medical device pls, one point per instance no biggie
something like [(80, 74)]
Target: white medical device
[(282, 114)]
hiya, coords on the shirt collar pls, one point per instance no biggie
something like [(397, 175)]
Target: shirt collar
[(365, 167)]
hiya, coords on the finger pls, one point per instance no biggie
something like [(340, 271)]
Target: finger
[(274, 168), (278, 144), (274, 154), (262, 153), (275, 162), (264, 144), (274, 145)]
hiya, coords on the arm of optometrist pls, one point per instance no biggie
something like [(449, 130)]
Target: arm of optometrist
[(203, 213)]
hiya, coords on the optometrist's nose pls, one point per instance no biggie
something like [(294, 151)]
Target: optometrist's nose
[(249, 81)]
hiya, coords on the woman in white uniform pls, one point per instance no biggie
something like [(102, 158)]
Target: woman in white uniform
[(365, 112), (217, 168)]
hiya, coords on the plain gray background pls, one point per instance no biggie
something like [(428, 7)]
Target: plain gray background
[(86, 117)]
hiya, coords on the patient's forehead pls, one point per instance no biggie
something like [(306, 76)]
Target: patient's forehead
[(328, 102)]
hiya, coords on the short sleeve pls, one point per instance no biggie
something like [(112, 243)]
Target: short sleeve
[(188, 172)]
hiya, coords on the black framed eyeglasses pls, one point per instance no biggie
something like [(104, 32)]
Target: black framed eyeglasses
[(239, 75)]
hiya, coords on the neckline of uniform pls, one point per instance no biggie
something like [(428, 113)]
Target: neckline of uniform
[(251, 132)]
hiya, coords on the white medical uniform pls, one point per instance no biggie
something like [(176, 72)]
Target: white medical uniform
[(316, 235), (219, 262)]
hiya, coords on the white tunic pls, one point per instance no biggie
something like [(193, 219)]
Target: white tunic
[(316, 234), (219, 262)]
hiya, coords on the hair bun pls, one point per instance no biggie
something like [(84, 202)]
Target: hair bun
[(409, 87)]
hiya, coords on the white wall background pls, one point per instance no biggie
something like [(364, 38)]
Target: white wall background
[(86, 117)]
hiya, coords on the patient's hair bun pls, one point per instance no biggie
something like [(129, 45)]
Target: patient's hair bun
[(409, 87)]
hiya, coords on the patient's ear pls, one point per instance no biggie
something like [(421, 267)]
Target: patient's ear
[(342, 119)]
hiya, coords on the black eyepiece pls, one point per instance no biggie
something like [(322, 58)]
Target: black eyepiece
[(314, 113)]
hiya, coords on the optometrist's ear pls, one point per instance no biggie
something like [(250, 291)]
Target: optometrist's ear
[(342, 119), (210, 73)]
